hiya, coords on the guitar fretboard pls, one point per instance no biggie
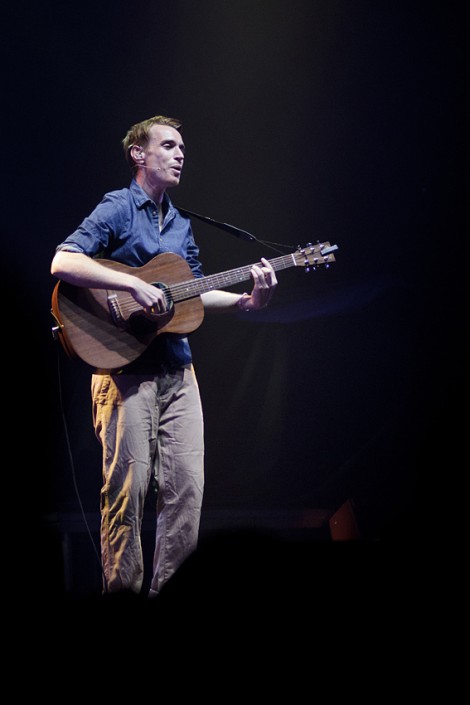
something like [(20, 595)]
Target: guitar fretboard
[(196, 287)]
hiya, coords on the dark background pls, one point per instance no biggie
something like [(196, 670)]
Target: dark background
[(304, 120)]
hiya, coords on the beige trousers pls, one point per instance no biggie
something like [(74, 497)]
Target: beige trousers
[(148, 425)]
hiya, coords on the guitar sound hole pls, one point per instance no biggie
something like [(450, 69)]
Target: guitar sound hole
[(142, 325)]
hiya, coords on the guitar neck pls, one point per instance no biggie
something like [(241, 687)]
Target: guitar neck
[(222, 280)]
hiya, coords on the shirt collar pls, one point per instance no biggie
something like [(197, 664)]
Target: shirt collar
[(141, 199), (138, 194)]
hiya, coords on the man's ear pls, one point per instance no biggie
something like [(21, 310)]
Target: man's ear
[(137, 154)]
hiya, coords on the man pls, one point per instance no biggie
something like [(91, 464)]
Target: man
[(147, 416)]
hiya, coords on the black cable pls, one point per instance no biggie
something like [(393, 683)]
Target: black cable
[(72, 467)]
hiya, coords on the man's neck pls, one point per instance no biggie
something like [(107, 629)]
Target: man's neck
[(152, 190)]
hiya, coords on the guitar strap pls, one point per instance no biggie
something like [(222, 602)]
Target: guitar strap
[(243, 234)]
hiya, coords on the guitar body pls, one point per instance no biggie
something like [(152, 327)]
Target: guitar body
[(88, 329)]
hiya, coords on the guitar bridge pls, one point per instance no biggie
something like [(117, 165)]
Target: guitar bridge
[(114, 310)]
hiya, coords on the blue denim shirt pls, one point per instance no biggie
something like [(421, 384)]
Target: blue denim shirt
[(124, 227)]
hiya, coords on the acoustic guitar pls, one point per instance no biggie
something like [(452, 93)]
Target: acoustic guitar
[(108, 329)]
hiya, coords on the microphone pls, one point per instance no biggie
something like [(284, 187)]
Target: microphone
[(155, 168)]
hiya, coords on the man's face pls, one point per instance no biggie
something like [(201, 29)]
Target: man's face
[(164, 155)]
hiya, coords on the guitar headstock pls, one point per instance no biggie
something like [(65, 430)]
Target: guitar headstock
[(312, 256)]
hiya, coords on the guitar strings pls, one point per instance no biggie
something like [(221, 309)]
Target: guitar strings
[(179, 291)]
